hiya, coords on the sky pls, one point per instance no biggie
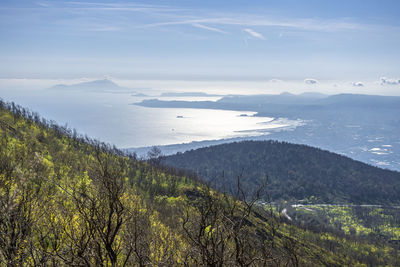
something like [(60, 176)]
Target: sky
[(354, 42)]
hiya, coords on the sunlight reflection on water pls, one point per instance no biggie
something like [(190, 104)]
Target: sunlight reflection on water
[(111, 118)]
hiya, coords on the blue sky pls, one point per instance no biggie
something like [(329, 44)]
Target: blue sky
[(201, 40)]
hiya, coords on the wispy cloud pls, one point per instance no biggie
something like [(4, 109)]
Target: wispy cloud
[(103, 29), (42, 4), (256, 21), (254, 34), (275, 81), (358, 84), (386, 81), (121, 6), (201, 26), (310, 81), (184, 22), (164, 16), (112, 7)]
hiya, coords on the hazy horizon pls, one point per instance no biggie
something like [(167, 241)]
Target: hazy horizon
[(337, 46), (223, 87)]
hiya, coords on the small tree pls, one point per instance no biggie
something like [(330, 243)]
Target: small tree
[(154, 155)]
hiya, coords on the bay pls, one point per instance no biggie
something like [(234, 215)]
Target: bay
[(112, 118)]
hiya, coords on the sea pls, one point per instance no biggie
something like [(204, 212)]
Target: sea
[(114, 118)]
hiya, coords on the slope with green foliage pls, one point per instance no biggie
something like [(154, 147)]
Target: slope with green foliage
[(295, 172), (69, 200), (368, 221)]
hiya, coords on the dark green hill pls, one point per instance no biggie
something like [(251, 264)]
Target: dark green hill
[(295, 172)]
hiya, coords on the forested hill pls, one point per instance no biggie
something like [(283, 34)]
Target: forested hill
[(68, 200), (295, 172)]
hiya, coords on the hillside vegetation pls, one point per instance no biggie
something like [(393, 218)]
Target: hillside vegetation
[(294, 172), (68, 200)]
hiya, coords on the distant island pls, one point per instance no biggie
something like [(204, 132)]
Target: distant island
[(140, 95), (104, 85), (188, 94)]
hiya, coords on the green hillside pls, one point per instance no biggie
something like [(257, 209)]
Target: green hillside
[(68, 200), (295, 172)]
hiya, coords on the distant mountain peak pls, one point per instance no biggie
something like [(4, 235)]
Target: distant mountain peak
[(305, 94), (96, 85), (313, 95), (104, 81), (286, 94)]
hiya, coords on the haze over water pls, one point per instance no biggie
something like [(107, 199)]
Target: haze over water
[(111, 117)]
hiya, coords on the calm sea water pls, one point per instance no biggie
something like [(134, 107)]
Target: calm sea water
[(112, 118)]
